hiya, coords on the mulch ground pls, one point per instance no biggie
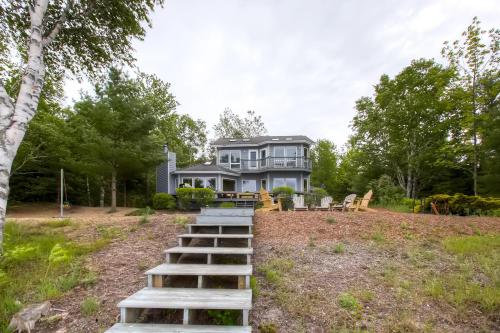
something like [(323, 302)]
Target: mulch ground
[(377, 267)]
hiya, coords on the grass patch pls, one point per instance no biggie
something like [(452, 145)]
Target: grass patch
[(39, 263), (58, 223), (338, 248), (378, 237), (254, 285), (109, 232), (275, 269), (181, 220), (348, 302), (90, 306), (474, 283), (141, 211), (331, 220)]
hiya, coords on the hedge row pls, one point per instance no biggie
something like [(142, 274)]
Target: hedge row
[(461, 204)]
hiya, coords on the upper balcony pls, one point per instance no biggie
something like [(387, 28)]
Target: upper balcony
[(269, 163)]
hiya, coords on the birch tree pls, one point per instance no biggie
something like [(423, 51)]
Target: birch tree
[(53, 38), (476, 57)]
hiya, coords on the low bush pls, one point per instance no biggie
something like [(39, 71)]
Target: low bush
[(314, 197), (90, 306), (201, 197), (385, 191), (349, 302), (284, 193), (162, 201), (461, 204)]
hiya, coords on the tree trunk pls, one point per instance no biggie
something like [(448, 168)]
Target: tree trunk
[(14, 118), (88, 193), (409, 183), (474, 135), (124, 193), (113, 191), (101, 199)]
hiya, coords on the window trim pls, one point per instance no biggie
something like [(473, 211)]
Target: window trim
[(256, 166)]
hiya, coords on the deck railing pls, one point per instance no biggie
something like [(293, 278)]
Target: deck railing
[(285, 163)]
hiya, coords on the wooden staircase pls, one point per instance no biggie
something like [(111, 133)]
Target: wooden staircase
[(218, 239)]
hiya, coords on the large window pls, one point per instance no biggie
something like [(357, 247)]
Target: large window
[(306, 185), (290, 182), (285, 156), (230, 157), (228, 185), (199, 182), (249, 185)]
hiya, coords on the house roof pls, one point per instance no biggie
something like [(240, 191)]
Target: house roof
[(207, 168), (258, 140)]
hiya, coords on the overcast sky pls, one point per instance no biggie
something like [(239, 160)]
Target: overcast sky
[(301, 64)]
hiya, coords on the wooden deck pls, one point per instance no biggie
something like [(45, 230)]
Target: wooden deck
[(166, 328)]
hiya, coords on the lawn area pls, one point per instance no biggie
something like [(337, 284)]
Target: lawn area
[(376, 272), (84, 264)]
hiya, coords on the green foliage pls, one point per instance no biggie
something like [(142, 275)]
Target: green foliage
[(224, 317), (90, 306), (180, 219), (141, 211), (145, 216), (314, 197), (185, 197), (275, 269), (57, 223), (227, 204), (324, 158), (463, 204), (349, 302), (284, 193), (385, 191), (254, 285), (39, 264), (164, 201), (338, 248)]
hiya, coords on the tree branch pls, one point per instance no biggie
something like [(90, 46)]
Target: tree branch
[(64, 16)]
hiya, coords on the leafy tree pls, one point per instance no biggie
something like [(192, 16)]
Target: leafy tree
[(118, 127), (324, 165), (475, 59), (406, 122), (83, 37), (232, 125)]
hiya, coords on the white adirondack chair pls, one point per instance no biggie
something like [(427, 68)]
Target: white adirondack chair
[(298, 203), (347, 204), (325, 203)]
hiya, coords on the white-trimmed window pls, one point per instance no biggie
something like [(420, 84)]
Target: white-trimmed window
[(199, 182), (228, 185), (231, 158), (290, 182)]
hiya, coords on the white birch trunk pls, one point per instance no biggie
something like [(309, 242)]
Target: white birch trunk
[(113, 191), (14, 118)]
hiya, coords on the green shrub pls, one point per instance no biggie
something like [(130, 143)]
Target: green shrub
[(227, 204), (284, 193), (385, 191), (462, 204), (163, 201), (314, 197), (184, 197), (349, 302), (56, 223), (268, 328), (202, 197), (141, 211), (338, 248), (90, 306)]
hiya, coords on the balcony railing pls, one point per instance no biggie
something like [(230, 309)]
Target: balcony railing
[(285, 163)]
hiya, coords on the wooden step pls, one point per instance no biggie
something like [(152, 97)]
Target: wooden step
[(227, 211), (165, 328), (174, 253), (208, 219), (186, 299), (220, 228), (185, 238), (242, 271)]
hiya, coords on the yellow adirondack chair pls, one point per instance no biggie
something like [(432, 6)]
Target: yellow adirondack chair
[(268, 204), (363, 203)]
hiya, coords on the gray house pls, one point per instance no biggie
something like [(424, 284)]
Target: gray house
[(244, 165)]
